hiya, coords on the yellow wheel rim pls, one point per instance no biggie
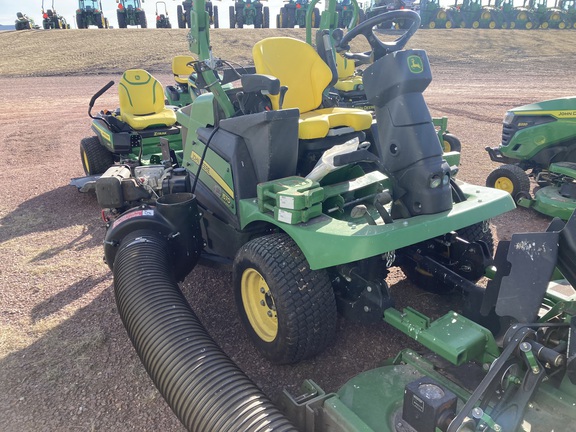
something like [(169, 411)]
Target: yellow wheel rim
[(485, 15), (512, 25), (432, 25), (441, 15), (475, 24), (562, 25), (522, 16), (492, 25), (259, 305), (447, 146), (505, 184), (448, 24), (545, 25), (85, 161)]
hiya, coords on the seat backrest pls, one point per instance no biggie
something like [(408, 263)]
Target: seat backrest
[(180, 68), (345, 67), (298, 66), (140, 93)]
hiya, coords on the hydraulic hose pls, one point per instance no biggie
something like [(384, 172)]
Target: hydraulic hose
[(201, 384)]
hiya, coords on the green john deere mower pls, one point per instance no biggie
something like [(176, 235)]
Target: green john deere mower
[(130, 135), (539, 142), (131, 13), (309, 206), (52, 20)]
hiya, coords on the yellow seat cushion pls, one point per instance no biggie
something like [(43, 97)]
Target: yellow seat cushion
[(316, 124), (299, 67), (348, 84), (142, 101), (180, 68)]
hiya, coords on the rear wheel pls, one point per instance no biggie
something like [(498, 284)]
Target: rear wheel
[(181, 17), (510, 178), (288, 310), (232, 17), (95, 158), (216, 20), (142, 19), (266, 17), (316, 18), (79, 21), (451, 143), (121, 20)]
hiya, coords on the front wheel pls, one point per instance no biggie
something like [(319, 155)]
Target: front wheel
[(288, 310), (510, 178), (95, 158), (451, 143), (232, 12)]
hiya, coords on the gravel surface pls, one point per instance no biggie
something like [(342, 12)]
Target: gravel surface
[(66, 361)]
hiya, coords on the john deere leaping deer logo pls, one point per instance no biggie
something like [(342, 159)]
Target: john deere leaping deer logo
[(415, 64)]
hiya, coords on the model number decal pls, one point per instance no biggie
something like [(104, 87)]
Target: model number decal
[(133, 215)]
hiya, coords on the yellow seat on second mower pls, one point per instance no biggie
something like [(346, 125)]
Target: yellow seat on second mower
[(299, 67), (347, 78), (180, 68), (142, 101)]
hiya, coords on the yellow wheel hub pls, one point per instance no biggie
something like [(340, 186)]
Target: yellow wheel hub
[(505, 184), (448, 24), (259, 305), (441, 15), (85, 160), (529, 25), (492, 24), (432, 25)]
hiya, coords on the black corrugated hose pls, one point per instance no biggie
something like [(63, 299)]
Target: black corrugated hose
[(203, 386)]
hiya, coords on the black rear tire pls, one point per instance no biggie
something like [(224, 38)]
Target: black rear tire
[(510, 178), (288, 310), (451, 143), (232, 12), (266, 17), (95, 157), (181, 17), (121, 20), (142, 19), (216, 19)]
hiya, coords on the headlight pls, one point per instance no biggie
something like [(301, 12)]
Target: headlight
[(508, 117)]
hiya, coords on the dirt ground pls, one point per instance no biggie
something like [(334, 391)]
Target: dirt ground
[(65, 359)]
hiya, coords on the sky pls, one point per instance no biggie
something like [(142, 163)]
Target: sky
[(67, 8)]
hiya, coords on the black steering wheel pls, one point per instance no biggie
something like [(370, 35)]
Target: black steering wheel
[(379, 48)]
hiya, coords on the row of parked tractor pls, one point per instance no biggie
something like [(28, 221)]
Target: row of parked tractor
[(533, 14)]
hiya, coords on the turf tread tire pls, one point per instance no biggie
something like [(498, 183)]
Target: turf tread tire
[(518, 177), (99, 159), (304, 299)]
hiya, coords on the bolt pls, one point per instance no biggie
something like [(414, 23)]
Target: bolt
[(366, 309), (477, 413), (497, 428), (262, 290), (269, 313), (262, 302), (369, 288)]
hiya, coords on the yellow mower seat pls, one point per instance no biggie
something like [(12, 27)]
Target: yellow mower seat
[(347, 79), (299, 67), (180, 68), (142, 101)]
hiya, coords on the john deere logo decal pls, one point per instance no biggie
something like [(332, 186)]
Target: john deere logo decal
[(415, 64), (137, 77)]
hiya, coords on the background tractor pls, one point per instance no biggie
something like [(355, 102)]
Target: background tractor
[(548, 17), (89, 13), (433, 15), (569, 8), (162, 20), (466, 14), (131, 13), (23, 22), (51, 19), (490, 16), (183, 13), (249, 12), (345, 10), (293, 13), (539, 142)]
